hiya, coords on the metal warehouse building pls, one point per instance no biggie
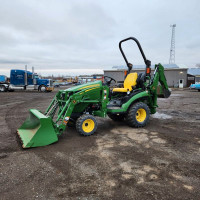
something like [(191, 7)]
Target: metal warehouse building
[(176, 77), (195, 72)]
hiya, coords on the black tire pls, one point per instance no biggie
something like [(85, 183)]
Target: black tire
[(41, 88), (86, 125), (73, 119), (115, 117), (72, 122), (3, 88), (198, 90), (138, 115)]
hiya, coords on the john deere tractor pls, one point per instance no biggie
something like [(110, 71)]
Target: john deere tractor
[(132, 102)]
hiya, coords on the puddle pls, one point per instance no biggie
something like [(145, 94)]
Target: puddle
[(159, 140), (176, 95), (188, 187), (161, 116)]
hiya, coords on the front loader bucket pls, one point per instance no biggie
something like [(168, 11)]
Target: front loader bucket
[(37, 130)]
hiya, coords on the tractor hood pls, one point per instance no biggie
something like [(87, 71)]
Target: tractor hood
[(85, 86)]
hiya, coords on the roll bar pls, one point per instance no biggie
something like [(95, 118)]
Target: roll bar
[(147, 62)]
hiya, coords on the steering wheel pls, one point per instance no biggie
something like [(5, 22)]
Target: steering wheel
[(108, 80)]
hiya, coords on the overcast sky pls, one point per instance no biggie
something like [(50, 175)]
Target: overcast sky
[(81, 36)]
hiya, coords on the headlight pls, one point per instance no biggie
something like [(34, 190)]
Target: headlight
[(66, 118)]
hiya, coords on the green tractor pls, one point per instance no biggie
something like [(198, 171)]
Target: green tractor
[(133, 102)]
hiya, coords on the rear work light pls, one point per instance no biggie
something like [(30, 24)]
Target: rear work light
[(148, 70)]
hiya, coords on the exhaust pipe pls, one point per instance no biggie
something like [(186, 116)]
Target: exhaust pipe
[(32, 72), (25, 76)]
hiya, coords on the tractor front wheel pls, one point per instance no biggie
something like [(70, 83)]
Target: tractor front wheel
[(138, 115), (86, 125)]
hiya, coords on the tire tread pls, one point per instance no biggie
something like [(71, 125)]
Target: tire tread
[(79, 122), (130, 117)]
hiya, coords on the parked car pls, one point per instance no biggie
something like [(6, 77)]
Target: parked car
[(78, 83), (195, 86), (55, 84)]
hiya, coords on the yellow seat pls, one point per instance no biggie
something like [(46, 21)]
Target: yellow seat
[(129, 82)]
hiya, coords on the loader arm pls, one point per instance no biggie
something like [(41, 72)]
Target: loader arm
[(155, 89), (43, 129)]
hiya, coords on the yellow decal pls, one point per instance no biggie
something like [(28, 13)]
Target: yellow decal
[(89, 86), (91, 89)]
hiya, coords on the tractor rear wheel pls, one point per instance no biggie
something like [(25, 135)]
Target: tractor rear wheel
[(115, 117), (86, 125), (138, 115)]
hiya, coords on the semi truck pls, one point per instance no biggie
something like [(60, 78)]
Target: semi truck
[(25, 80)]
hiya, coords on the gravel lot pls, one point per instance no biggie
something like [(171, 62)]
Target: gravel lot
[(160, 161)]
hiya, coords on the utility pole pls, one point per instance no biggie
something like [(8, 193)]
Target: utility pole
[(172, 49)]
